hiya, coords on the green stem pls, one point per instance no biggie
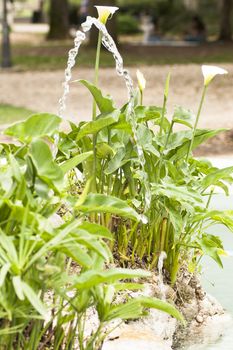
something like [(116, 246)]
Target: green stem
[(207, 207), (97, 65), (141, 97), (163, 114), (163, 234), (196, 122), (94, 110), (168, 135)]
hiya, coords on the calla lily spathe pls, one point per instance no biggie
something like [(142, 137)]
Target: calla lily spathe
[(209, 72), (105, 12), (141, 80)]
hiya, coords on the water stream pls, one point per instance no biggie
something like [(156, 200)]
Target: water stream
[(110, 45), (161, 285)]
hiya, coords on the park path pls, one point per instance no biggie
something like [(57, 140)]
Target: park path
[(40, 91)]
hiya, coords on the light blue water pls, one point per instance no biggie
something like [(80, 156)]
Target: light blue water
[(216, 281)]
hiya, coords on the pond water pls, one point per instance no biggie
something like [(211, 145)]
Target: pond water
[(216, 281)]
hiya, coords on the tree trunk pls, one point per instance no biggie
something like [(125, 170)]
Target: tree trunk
[(225, 25), (6, 52), (111, 24), (59, 20)]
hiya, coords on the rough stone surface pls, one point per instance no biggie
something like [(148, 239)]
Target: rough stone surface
[(206, 320), (210, 331), (132, 337)]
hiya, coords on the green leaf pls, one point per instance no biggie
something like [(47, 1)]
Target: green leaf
[(96, 230), (105, 104), (101, 122), (214, 177), (7, 243), (93, 277), (57, 240), (34, 300), (12, 330), (17, 283), (178, 193), (224, 217), (92, 243), (201, 136), (37, 125), (144, 114), (212, 246), (74, 161), (116, 162), (77, 253), (167, 84), (123, 125), (183, 116), (42, 159), (131, 309), (121, 286), (144, 139), (101, 203), (3, 272), (161, 305), (103, 150), (175, 218)]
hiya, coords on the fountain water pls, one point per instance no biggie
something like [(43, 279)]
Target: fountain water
[(162, 287), (79, 38), (110, 45)]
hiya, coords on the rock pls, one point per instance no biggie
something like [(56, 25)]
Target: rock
[(199, 319), (170, 293), (132, 338), (210, 306), (190, 310), (186, 293), (210, 331), (160, 324)]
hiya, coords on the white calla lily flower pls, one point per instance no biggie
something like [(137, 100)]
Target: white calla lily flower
[(105, 12), (209, 72), (141, 80)]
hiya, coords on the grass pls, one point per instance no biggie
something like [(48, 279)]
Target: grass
[(10, 114), (54, 56)]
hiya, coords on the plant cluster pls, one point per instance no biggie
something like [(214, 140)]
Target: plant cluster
[(181, 186), (53, 272), (124, 184)]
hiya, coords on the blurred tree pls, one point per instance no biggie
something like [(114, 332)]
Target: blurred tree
[(225, 24), (6, 52), (111, 25), (59, 19)]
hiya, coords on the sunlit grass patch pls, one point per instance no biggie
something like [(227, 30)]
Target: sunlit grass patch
[(10, 114)]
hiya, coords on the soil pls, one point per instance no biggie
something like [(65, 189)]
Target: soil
[(40, 91)]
